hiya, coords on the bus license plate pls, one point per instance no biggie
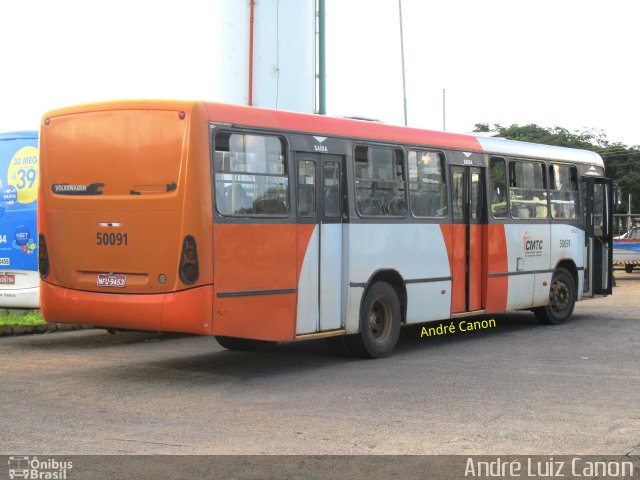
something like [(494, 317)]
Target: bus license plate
[(111, 280), (7, 279)]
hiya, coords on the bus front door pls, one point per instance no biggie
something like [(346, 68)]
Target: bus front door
[(320, 204), (468, 200), (598, 223)]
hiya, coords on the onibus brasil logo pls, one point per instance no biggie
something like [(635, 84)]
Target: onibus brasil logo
[(34, 468)]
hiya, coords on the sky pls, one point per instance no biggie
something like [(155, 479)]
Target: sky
[(568, 63)]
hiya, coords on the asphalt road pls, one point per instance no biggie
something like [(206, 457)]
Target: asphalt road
[(516, 388)]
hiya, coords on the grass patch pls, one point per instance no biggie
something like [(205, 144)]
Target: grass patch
[(16, 317)]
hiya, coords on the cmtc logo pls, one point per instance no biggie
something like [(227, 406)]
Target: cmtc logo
[(532, 247)]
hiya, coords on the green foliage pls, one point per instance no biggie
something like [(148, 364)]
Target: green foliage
[(20, 317), (621, 161)]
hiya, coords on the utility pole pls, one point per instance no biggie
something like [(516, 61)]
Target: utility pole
[(322, 73), (444, 111), (404, 85)]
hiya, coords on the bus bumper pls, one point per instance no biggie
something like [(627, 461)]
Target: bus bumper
[(20, 298), (187, 311)]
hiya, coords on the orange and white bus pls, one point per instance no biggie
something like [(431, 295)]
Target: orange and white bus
[(258, 225)]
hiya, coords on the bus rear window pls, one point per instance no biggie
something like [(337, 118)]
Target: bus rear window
[(250, 175)]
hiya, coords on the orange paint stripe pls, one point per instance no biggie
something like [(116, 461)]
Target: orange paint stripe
[(497, 287)]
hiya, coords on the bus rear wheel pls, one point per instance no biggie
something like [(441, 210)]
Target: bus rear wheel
[(628, 267), (562, 299), (234, 343), (380, 316)]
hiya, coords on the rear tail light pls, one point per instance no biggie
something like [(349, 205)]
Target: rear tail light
[(43, 257), (189, 261)]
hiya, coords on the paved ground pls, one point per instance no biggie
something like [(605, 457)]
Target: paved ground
[(517, 388)]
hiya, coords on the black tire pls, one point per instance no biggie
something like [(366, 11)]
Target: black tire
[(380, 317), (562, 299), (628, 268), (233, 343)]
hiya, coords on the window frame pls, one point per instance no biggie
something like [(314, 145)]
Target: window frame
[(444, 177), (403, 163), (505, 163), (314, 213), (287, 174), (513, 161), (578, 201)]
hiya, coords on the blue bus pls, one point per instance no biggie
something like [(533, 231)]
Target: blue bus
[(19, 280)]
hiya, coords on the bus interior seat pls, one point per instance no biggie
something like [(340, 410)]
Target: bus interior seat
[(270, 206), (370, 206), (541, 211), (421, 204), (398, 206)]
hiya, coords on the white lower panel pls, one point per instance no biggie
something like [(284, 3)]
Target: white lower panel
[(540, 290), (426, 301), (353, 309), (307, 312), (520, 291), (330, 276)]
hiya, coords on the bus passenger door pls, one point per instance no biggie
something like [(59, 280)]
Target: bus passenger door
[(598, 223), (468, 200), (319, 242)]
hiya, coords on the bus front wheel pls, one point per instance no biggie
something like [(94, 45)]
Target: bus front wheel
[(380, 316), (562, 299)]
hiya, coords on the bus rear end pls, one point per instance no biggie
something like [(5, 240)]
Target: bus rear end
[(125, 216)]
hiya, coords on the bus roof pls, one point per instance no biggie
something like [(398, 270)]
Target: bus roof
[(242, 115), (348, 127), (513, 148)]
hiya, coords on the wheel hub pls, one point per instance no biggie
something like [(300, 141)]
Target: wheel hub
[(379, 320), (559, 296)]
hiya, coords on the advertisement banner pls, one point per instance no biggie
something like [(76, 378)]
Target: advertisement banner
[(18, 201)]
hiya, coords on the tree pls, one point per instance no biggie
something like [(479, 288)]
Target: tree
[(621, 161)]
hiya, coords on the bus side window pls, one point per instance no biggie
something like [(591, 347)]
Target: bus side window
[(563, 187), (427, 184), (380, 181), (307, 188), (527, 189), (331, 187), (498, 187), (457, 196), (251, 175)]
